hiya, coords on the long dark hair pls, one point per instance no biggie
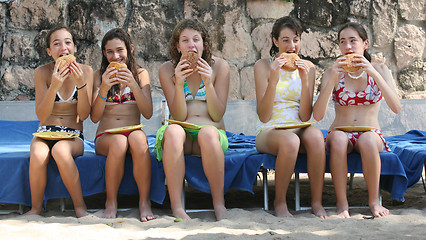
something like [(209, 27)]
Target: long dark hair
[(197, 26), (279, 25), (57, 28), (119, 33), (361, 32)]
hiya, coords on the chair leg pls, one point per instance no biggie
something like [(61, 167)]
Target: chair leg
[(265, 189), (297, 191), (62, 204), (21, 209), (351, 180), (423, 181), (183, 196)]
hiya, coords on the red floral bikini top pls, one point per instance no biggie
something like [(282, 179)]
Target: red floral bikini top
[(370, 95)]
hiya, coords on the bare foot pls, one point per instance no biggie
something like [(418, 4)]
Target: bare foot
[(180, 213), (219, 211), (343, 210), (33, 211), (80, 212), (281, 210), (319, 211), (110, 211), (378, 210), (146, 212)]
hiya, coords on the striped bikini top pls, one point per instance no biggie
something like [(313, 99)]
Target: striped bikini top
[(201, 93)]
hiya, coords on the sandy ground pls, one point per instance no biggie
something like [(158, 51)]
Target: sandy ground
[(245, 218)]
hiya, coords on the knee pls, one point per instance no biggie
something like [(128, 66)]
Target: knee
[(39, 157), (174, 134), (61, 152), (368, 142), (289, 143), (337, 141), (313, 137), (208, 135), (117, 145), (138, 141)]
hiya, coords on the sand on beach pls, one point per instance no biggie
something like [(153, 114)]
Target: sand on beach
[(245, 218)]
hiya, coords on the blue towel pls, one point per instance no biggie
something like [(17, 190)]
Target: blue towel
[(411, 150), (401, 169)]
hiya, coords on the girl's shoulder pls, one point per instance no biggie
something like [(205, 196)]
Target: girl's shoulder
[(219, 62), (379, 66), (263, 63), (141, 70), (46, 68), (310, 64), (166, 70), (167, 66), (86, 68)]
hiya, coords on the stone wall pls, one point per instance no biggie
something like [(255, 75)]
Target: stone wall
[(239, 28)]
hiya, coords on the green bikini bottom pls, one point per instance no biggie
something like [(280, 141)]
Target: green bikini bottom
[(193, 132)]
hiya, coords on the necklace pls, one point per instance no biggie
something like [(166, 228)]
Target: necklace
[(356, 77)]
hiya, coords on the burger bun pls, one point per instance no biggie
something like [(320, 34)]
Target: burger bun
[(117, 66), (66, 60), (191, 58), (350, 66), (290, 65)]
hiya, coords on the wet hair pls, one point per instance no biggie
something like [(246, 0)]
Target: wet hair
[(361, 32), (280, 24), (121, 34), (174, 39), (57, 28)]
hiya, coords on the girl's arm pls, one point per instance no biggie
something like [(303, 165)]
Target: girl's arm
[(172, 80), (141, 91), (266, 77), (217, 89), (329, 81), (45, 95), (384, 81), (307, 75), (101, 88), (383, 78), (83, 78)]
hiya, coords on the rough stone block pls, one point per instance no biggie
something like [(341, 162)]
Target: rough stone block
[(36, 14), (384, 25), (409, 44), (269, 8), (412, 9)]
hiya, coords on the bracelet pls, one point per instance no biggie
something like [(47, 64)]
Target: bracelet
[(104, 98), (78, 88)]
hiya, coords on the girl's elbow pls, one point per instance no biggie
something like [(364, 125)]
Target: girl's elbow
[(317, 116), (397, 108), (305, 118), (94, 118), (84, 116), (147, 115)]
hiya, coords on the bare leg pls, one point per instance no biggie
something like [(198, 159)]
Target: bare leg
[(338, 142), (214, 166), (313, 142), (114, 146), (142, 172), (174, 167), (64, 152), (39, 158), (285, 145), (368, 145)]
